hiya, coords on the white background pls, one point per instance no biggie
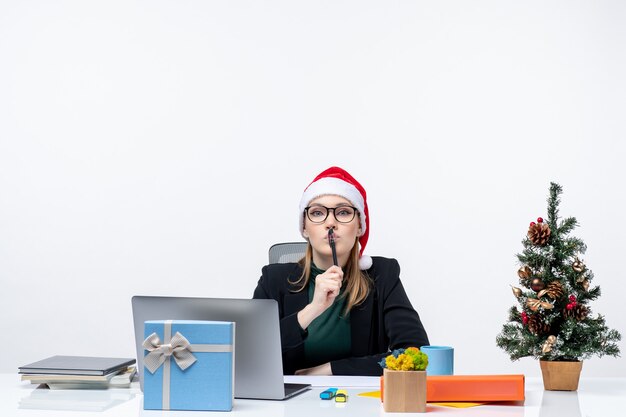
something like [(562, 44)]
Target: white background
[(161, 147)]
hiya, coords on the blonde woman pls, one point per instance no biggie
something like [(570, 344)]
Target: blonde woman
[(340, 312)]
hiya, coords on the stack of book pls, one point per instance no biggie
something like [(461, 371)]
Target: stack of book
[(80, 372)]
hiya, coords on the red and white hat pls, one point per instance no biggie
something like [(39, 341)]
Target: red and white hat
[(337, 181)]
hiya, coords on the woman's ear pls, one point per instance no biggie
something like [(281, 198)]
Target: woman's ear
[(305, 233)]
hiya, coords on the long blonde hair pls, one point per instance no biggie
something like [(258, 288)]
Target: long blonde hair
[(358, 283)]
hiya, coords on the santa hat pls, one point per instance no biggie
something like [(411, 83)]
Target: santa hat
[(336, 181)]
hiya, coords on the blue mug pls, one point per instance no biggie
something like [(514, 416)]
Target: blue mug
[(440, 360)]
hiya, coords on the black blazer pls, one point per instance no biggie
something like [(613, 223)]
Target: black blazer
[(385, 320)]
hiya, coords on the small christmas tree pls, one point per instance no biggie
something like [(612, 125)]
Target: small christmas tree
[(554, 320)]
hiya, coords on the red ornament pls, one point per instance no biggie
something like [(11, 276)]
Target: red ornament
[(539, 219), (532, 224), (570, 306), (572, 298), (524, 318)]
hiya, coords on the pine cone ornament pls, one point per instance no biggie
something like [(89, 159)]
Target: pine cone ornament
[(554, 290), (539, 233), (537, 325), (578, 312)]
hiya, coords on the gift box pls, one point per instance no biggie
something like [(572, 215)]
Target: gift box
[(476, 388), (450, 388), (188, 365)]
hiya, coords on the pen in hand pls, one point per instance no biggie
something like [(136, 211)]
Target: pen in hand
[(331, 241)]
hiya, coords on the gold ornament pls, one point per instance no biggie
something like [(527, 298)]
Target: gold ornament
[(548, 344), (539, 233), (524, 272), (516, 291), (583, 281), (578, 266), (534, 304)]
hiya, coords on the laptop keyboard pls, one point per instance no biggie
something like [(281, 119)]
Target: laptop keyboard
[(293, 389)]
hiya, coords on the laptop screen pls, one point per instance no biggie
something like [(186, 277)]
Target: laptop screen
[(258, 359)]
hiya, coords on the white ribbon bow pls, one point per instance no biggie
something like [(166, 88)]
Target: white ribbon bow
[(179, 348)]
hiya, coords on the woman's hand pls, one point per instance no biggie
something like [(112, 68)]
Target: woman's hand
[(327, 287), (324, 369)]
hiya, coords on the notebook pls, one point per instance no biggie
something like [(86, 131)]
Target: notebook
[(76, 365), (258, 357)]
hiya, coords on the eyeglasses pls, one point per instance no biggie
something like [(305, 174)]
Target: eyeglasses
[(319, 214)]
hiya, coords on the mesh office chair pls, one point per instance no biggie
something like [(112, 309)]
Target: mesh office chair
[(282, 253)]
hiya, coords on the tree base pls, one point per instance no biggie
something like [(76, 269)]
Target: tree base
[(560, 375)]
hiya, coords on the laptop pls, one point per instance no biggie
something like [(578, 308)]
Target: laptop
[(258, 358)]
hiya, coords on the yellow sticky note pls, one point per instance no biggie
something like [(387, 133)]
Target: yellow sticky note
[(373, 394), (455, 404)]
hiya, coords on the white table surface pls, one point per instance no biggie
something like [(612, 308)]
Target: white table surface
[(600, 397)]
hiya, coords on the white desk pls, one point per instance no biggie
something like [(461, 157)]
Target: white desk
[(602, 397)]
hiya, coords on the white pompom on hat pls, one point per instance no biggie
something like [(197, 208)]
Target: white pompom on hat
[(337, 181)]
